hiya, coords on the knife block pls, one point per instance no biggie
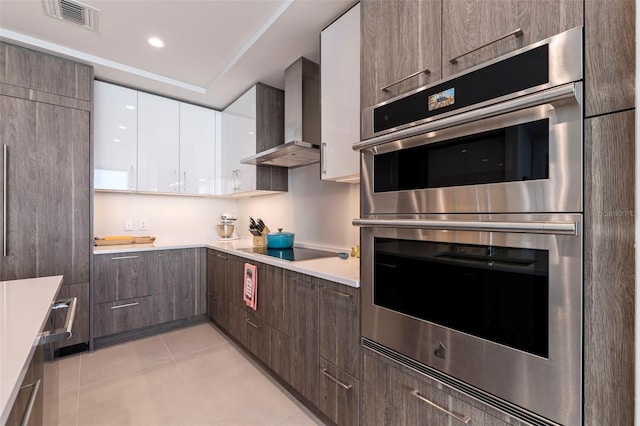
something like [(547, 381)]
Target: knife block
[(261, 241)]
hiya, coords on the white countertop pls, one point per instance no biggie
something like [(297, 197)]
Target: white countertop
[(329, 268), (24, 309)]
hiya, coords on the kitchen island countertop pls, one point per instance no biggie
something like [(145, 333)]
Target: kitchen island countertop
[(25, 306), (345, 272)]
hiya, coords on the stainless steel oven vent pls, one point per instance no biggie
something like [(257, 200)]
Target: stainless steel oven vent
[(74, 12)]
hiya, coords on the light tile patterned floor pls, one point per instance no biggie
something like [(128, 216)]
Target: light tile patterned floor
[(192, 376)]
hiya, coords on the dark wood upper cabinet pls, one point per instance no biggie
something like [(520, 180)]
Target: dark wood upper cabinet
[(398, 39), (610, 44), (468, 25), (45, 73)]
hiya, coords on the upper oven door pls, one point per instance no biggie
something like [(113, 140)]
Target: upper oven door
[(525, 157)]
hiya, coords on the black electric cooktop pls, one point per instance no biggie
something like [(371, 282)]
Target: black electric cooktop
[(291, 254)]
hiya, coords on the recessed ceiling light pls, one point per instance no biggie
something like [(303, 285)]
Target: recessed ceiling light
[(116, 140), (122, 127), (130, 107), (156, 42)]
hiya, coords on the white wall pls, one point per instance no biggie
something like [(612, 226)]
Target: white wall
[(167, 215), (318, 212)]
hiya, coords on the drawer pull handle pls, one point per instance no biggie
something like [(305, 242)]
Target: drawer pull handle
[(386, 88), (222, 256), (124, 257), (346, 386), (52, 336), (35, 387), (339, 293), (252, 324), (5, 224), (460, 417), (126, 305), (517, 33)]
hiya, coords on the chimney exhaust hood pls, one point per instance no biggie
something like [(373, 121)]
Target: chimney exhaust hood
[(301, 119)]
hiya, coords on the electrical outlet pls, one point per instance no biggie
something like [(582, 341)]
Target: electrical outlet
[(143, 224), (128, 225)]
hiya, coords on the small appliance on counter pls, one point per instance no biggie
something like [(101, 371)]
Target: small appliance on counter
[(227, 226)]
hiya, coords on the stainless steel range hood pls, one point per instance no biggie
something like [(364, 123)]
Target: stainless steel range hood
[(301, 119)]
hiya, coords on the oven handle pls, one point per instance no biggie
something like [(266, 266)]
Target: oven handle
[(555, 94), (546, 227)]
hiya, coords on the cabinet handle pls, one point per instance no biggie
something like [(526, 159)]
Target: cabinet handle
[(222, 256), (386, 88), (5, 158), (35, 387), (517, 33), (460, 417), (323, 160), (126, 305), (346, 386), (184, 181), (175, 181), (252, 324), (124, 257), (131, 179), (63, 333), (339, 293)]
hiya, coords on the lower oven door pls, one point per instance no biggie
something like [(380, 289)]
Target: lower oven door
[(494, 301)]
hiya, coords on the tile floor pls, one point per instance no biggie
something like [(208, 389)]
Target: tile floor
[(191, 376)]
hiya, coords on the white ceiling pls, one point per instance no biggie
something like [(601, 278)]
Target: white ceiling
[(214, 49)]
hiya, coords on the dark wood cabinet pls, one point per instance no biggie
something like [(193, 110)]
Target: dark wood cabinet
[(257, 335), (398, 39), (122, 315), (81, 325), (468, 25), (35, 374), (47, 163), (609, 61), (45, 73), (237, 326), (339, 394), (175, 284), (45, 133), (218, 287), (271, 296), (339, 326), (609, 258), (393, 394), (121, 276), (236, 279), (302, 308)]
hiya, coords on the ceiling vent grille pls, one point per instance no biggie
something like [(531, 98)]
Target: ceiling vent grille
[(73, 11)]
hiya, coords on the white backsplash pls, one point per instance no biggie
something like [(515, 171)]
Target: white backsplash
[(167, 215), (318, 212)]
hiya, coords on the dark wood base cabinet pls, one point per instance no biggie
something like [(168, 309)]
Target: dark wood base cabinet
[(306, 331), (393, 394)]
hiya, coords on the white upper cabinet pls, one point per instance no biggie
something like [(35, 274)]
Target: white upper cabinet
[(238, 142), (116, 137), (197, 149), (158, 144), (340, 97)]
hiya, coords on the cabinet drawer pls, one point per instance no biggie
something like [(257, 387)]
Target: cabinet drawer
[(393, 394), (339, 394), (279, 353), (121, 276), (339, 326), (122, 315), (257, 337)]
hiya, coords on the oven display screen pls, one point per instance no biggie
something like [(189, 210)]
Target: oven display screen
[(499, 294), (442, 99)]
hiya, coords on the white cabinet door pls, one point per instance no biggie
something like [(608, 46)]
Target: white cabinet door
[(116, 137), (239, 141), (340, 97), (197, 149), (158, 144)]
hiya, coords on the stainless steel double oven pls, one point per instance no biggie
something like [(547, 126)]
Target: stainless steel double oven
[(471, 229)]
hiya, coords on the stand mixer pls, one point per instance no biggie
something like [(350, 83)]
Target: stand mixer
[(227, 227)]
